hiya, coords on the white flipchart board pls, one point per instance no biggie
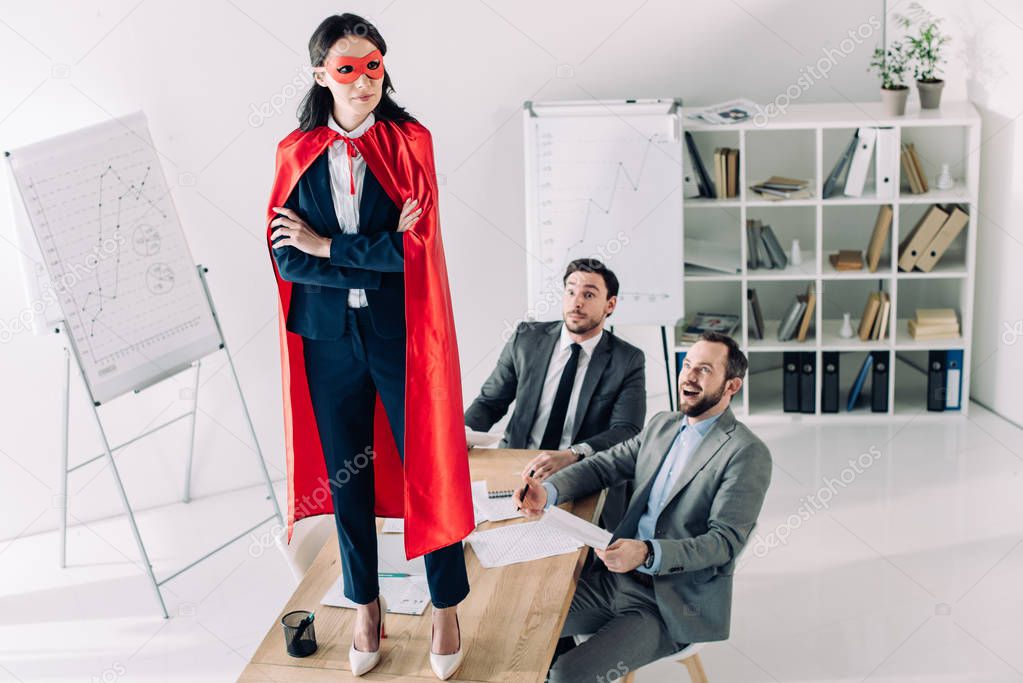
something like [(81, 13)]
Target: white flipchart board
[(604, 180), (110, 250)]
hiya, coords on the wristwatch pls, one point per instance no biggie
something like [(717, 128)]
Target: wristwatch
[(579, 454), (648, 563)]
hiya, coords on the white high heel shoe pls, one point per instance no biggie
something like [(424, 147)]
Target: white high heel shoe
[(444, 666), (363, 662)]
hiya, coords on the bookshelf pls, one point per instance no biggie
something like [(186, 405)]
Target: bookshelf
[(805, 142)]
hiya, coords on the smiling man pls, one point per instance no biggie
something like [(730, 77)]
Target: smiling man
[(577, 387), (666, 578)]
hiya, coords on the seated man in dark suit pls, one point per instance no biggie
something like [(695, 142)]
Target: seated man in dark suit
[(577, 388)]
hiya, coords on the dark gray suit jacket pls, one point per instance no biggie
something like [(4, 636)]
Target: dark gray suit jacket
[(610, 409), (707, 520), (612, 399)]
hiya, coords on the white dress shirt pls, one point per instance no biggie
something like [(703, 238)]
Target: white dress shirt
[(550, 387), (346, 205)]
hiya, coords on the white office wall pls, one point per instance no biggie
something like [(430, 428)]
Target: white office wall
[(201, 70)]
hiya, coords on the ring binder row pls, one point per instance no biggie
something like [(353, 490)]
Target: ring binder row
[(799, 376)]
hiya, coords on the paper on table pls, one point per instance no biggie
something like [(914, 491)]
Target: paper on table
[(393, 525), (403, 594), (491, 509), (577, 528), (520, 543), (481, 439)]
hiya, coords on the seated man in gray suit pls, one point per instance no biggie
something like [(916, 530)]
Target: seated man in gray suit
[(577, 388), (666, 579)]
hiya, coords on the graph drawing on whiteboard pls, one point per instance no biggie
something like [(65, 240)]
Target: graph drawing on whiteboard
[(607, 187), (115, 254)]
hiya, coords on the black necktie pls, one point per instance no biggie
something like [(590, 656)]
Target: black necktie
[(559, 410)]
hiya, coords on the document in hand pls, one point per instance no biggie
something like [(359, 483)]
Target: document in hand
[(577, 528)]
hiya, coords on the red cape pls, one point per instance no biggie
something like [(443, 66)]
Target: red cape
[(432, 491)]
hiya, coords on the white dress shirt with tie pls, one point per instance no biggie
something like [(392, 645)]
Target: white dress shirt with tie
[(346, 204), (550, 387)]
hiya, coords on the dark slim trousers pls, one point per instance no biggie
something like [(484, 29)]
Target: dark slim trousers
[(344, 377)]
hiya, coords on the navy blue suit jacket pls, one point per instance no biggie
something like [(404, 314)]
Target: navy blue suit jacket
[(372, 259)]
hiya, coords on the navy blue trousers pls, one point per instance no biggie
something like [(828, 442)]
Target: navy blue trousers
[(344, 377)]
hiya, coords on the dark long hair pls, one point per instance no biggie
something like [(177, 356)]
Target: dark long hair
[(319, 102)]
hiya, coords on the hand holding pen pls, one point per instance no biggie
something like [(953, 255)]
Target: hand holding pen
[(532, 497)]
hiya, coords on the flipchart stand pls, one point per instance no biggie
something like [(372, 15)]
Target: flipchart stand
[(108, 451)]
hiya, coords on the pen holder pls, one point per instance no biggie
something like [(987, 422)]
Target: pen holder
[(299, 639)]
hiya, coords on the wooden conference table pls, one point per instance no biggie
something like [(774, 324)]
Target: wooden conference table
[(510, 622)]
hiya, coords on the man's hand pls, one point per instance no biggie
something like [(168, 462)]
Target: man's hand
[(297, 233), (536, 498), (549, 462), (623, 555)]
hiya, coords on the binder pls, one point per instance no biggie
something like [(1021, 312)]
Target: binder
[(882, 225), (879, 382), (840, 166), (690, 184), (829, 382), (808, 381), (953, 379), (936, 380), (706, 186), (857, 387), (950, 229), (857, 176), (923, 233), (886, 163), (790, 381)]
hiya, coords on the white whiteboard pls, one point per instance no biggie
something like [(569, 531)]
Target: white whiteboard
[(604, 180), (115, 255)]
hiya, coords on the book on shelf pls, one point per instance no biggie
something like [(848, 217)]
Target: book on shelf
[(804, 325), (840, 168), (726, 172), (777, 188), (934, 323), (920, 237), (755, 314), (909, 170), (880, 325), (764, 249), (709, 322), (950, 229), (732, 111), (792, 318), (870, 311), (847, 259), (882, 226), (857, 387), (918, 168)]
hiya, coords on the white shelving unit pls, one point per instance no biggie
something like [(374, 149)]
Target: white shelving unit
[(806, 142)]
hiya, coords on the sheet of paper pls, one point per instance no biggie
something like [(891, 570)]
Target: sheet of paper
[(393, 525), (491, 509), (404, 595), (481, 439), (577, 528), (520, 543)]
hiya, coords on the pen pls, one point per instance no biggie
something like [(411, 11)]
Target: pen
[(302, 626), (525, 489), (393, 575)]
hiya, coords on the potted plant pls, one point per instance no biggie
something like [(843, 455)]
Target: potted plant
[(890, 64), (926, 47)]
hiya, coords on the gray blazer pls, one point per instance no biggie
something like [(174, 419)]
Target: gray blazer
[(709, 516), (612, 399)]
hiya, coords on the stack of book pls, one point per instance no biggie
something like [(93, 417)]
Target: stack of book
[(931, 237), (709, 322), (934, 323), (847, 259), (913, 170), (874, 323), (777, 188), (726, 172), (763, 248), (796, 322)]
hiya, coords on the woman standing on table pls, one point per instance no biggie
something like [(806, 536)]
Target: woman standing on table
[(372, 389)]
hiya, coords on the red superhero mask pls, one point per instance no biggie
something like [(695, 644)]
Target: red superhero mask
[(348, 69)]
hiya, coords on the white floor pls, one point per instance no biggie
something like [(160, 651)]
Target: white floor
[(905, 566)]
